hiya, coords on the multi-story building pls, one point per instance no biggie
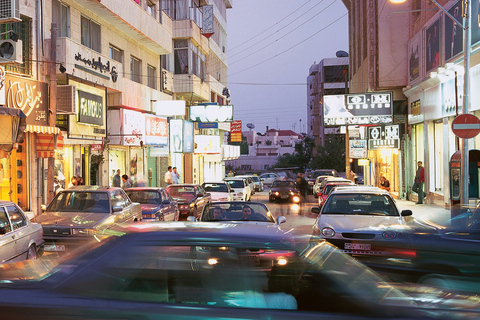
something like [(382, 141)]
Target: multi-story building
[(329, 77), (100, 84), (416, 50)]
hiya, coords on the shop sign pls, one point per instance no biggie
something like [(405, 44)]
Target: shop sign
[(98, 65), (188, 136), (90, 108), (29, 96), (415, 108), (176, 135), (207, 125), (358, 109), (97, 147), (358, 149), (450, 103), (414, 57), (207, 29), (133, 128), (170, 108), (156, 130), (363, 162), (207, 144), (384, 137), (236, 131), (211, 113)]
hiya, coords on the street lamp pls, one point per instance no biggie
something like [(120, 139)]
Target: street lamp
[(466, 26)]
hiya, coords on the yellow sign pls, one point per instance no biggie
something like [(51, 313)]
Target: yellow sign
[(363, 162)]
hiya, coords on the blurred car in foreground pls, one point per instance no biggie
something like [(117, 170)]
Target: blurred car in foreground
[(157, 281), (82, 213), (19, 237), (284, 190), (191, 198), (328, 187), (156, 203), (311, 177), (219, 190), (241, 188), (359, 219)]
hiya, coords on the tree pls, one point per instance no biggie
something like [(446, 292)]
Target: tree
[(332, 155), (300, 158)]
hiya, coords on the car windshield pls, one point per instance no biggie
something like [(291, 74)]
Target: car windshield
[(360, 204), (256, 179), (283, 184), (144, 196), (215, 187), (235, 211), (329, 187), (181, 192), (73, 201), (236, 183)]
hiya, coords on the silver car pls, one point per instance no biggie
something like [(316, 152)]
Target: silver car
[(19, 237)]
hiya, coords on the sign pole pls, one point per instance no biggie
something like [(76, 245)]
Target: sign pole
[(466, 100)]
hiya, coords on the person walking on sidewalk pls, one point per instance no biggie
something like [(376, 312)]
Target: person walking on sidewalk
[(420, 180)]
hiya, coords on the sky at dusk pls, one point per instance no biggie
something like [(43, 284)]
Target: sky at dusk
[(271, 46)]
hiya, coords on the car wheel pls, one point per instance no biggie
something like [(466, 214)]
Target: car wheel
[(32, 252)]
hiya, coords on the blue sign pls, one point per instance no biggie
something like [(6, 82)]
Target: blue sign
[(207, 125)]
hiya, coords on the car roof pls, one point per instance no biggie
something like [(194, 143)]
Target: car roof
[(145, 189), (361, 189), (91, 188), (183, 185), (217, 182), (6, 202)]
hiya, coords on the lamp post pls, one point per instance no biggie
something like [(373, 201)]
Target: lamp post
[(467, 41)]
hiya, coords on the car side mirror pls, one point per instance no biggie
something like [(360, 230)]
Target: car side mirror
[(191, 219), (315, 210), (117, 209), (406, 213), (281, 219), (232, 191)]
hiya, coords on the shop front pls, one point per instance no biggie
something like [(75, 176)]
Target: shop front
[(208, 159)]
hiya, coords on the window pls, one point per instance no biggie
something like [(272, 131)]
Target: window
[(152, 77), (135, 70), (181, 56), (4, 223), (334, 74), (16, 217), (116, 54), (61, 16), (24, 30), (90, 34), (151, 8)]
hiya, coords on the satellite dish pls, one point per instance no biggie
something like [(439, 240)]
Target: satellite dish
[(250, 126), (341, 54)]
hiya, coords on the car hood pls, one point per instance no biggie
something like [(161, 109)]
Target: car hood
[(184, 200), (358, 222), (284, 189), (218, 195), (72, 219)]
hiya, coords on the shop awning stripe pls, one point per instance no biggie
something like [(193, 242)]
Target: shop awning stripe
[(42, 129), (45, 144)]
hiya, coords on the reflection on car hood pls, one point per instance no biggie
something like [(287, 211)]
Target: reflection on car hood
[(218, 195), (72, 219), (183, 200), (358, 222), (146, 207)]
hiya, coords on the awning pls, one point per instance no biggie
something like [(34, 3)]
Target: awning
[(42, 129), (45, 144)]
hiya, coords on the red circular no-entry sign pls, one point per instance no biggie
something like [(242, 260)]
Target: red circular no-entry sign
[(466, 126)]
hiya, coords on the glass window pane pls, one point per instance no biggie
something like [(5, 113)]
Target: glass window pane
[(16, 217), (4, 222), (85, 32)]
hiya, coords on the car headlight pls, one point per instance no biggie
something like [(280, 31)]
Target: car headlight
[(389, 235), (84, 231), (311, 183), (328, 232), (277, 193)]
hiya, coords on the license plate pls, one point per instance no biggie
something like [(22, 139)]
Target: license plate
[(358, 246), (254, 259), (285, 197), (54, 247)]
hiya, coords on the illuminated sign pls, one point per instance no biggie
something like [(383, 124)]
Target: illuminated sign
[(211, 113), (207, 144), (236, 131), (90, 108), (358, 149), (156, 131), (384, 137)]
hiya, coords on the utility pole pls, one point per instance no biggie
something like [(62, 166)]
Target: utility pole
[(52, 108)]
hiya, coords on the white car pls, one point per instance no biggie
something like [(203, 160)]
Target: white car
[(268, 178), (250, 181), (219, 190), (241, 188), (360, 220)]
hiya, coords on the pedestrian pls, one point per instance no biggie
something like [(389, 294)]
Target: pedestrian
[(230, 174), (79, 181), (420, 180), (127, 183), (116, 179), (301, 184), (175, 176), (353, 177), (73, 182), (168, 176), (384, 183)]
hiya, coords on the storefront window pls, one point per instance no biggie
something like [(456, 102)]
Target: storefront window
[(116, 161)]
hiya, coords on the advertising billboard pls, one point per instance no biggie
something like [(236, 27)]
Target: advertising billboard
[(156, 131), (176, 135), (207, 144), (236, 131), (211, 113), (187, 136)]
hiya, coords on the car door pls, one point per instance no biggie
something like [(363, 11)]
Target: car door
[(20, 229), (120, 199), (167, 210), (7, 237), (201, 198)]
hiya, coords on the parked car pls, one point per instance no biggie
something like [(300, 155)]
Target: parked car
[(316, 186), (258, 183), (219, 190), (360, 220), (147, 273), (19, 237), (284, 190), (83, 213), (191, 198), (328, 187), (250, 182), (312, 177), (156, 203), (241, 188), (268, 178), (329, 179)]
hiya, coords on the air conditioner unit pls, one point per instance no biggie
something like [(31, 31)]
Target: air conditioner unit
[(66, 101), (10, 51), (9, 11)]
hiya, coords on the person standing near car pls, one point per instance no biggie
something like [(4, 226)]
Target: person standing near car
[(420, 180), (175, 175), (301, 184), (168, 176), (116, 181)]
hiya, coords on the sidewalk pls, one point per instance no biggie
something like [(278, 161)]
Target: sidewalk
[(428, 213)]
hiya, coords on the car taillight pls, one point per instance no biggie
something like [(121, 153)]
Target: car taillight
[(149, 216)]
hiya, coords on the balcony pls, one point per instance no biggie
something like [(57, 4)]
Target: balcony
[(183, 29), (189, 87), (130, 19)]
